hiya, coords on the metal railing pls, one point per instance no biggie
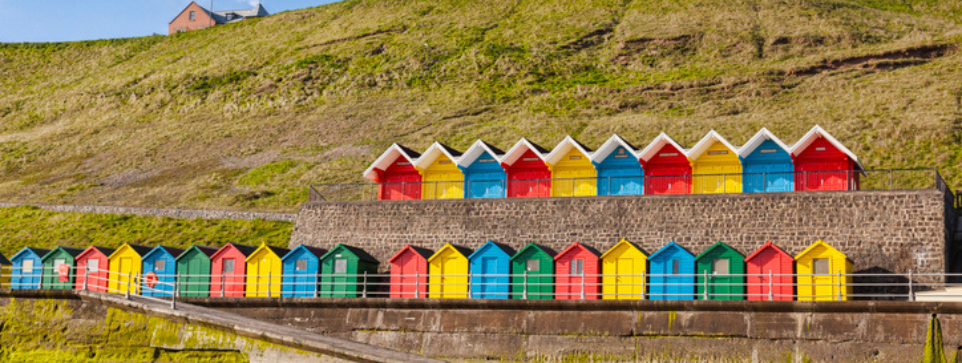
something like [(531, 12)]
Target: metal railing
[(840, 180), (529, 285)]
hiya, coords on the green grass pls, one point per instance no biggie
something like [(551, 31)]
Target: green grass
[(34, 227), (245, 116)]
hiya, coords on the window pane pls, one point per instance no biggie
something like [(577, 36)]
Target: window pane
[(533, 265), (674, 267), (340, 266), (301, 265), (27, 266), (57, 263), (93, 265), (719, 267), (229, 265), (160, 265), (821, 266), (577, 267)]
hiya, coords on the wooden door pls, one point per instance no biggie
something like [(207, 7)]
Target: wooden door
[(625, 287), (824, 287)]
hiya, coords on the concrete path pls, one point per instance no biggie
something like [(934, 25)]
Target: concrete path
[(255, 329)]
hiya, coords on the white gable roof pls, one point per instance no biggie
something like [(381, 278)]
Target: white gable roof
[(660, 141), (519, 149), (433, 152), (476, 150), (387, 158), (706, 142), (610, 146), (563, 147), (760, 137), (813, 134)]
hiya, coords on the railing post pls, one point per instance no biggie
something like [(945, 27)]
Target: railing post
[(223, 284), (524, 292), (317, 283), (364, 286), (127, 292), (771, 285), (417, 284), (268, 283), (705, 285), (582, 284), (470, 281), (838, 274), (173, 299), (86, 277), (911, 288)]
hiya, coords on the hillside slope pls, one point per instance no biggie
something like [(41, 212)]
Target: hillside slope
[(245, 116)]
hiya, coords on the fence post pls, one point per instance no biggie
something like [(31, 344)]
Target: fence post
[(705, 286), (317, 283), (582, 284), (838, 274), (127, 292), (524, 293), (223, 284), (268, 283), (417, 284), (364, 286), (173, 299), (911, 289), (470, 281), (86, 277), (771, 285)]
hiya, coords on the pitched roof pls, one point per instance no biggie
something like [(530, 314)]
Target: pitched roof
[(357, 252), (576, 245), (813, 134), (40, 252), (141, 250), (610, 146), (206, 250), (4, 260), (816, 244), (767, 245), (718, 244), (660, 141), (492, 244), (476, 150), (563, 147), (670, 245), (72, 251), (541, 248), (423, 252), (707, 141), (317, 252), (463, 251), (757, 140), (387, 158), (106, 251), (622, 242), (245, 250), (519, 148), (433, 152), (175, 252), (257, 11)]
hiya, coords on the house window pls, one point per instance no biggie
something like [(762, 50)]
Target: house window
[(160, 265), (93, 265), (577, 267), (719, 267), (191, 15), (821, 266), (340, 266), (229, 265), (301, 265), (533, 265), (230, 17)]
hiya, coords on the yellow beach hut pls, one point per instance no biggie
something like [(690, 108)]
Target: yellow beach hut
[(265, 271), (823, 274), (125, 265), (440, 176), (6, 268), (572, 173), (623, 268), (448, 269), (715, 165)]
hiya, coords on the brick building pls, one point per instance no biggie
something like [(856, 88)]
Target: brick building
[(196, 17)]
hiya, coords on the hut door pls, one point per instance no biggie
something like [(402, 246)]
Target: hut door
[(626, 287), (97, 277), (340, 277), (823, 287), (126, 266), (489, 267), (673, 281), (408, 278), (718, 287), (194, 282)]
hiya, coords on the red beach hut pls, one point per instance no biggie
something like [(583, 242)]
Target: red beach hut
[(395, 174), (409, 272), (93, 263), (228, 269), (769, 259), (528, 175), (823, 163), (574, 264), (666, 165)]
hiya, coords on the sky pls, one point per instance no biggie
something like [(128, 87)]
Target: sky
[(68, 20)]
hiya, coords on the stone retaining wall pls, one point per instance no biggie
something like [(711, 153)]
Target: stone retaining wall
[(160, 212)]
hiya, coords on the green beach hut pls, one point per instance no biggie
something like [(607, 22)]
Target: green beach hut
[(724, 268), (52, 280), (193, 271), (342, 270), (535, 264)]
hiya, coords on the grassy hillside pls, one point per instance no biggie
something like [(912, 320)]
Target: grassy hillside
[(244, 116), (29, 226)]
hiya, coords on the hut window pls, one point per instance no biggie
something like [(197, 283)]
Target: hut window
[(442, 162), (719, 266), (820, 266), (160, 265), (532, 265), (27, 266), (301, 265), (674, 267), (577, 267), (722, 152), (229, 265), (574, 157), (668, 154), (58, 262), (93, 265), (820, 148), (767, 151), (621, 156), (340, 266), (486, 161), (402, 163), (529, 159), (621, 151)]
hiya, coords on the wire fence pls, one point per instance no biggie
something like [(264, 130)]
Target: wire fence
[(692, 286), (836, 180)]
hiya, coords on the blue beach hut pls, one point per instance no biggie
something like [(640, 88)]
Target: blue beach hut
[(301, 267), (490, 268), (162, 262), (766, 164), (619, 172), (27, 266), (483, 174), (672, 273)]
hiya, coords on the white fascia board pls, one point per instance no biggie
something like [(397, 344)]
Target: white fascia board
[(707, 142), (660, 141), (384, 161), (432, 153), (810, 137), (563, 147), (760, 137), (519, 149), (475, 151), (610, 146)]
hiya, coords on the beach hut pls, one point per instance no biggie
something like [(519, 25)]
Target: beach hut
[(619, 171), (126, 263), (27, 270), (395, 174), (449, 273), (766, 164), (228, 269), (528, 175), (623, 268), (160, 268), (769, 266), (667, 169), (576, 273), (343, 271), (490, 267), (409, 272), (823, 274), (265, 271), (301, 267), (193, 271), (572, 173), (823, 163), (531, 273), (440, 176), (93, 268), (5, 269), (724, 269), (715, 166), (483, 175), (53, 277), (672, 270)]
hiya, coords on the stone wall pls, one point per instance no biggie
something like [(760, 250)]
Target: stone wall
[(879, 230), (159, 212)]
